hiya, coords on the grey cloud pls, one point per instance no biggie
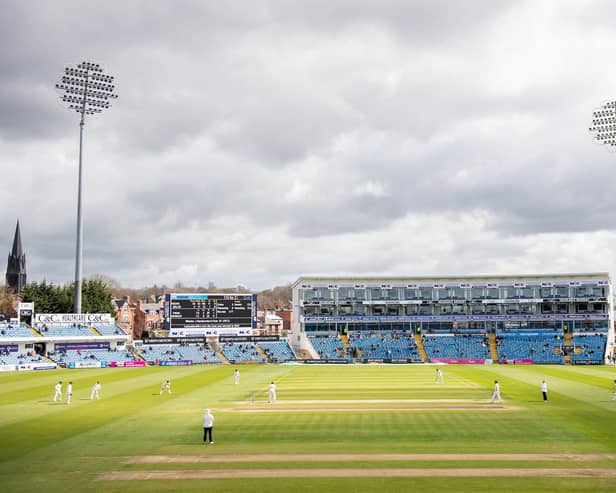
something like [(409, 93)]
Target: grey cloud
[(253, 142), (425, 23)]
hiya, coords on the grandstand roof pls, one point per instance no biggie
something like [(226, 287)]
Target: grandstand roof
[(493, 278)]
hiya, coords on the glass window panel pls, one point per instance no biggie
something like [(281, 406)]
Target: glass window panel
[(411, 294), (393, 309), (527, 292), (345, 309), (598, 292), (528, 308), (410, 309), (391, 294), (492, 309), (441, 294), (513, 308), (425, 309), (492, 293), (425, 293), (345, 293), (562, 291), (322, 294), (457, 293), (310, 310), (376, 294)]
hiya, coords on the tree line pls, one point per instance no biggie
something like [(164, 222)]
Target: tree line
[(97, 295), (52, 298)]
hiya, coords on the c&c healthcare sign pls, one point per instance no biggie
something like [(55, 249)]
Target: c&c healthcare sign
[(73, 318)]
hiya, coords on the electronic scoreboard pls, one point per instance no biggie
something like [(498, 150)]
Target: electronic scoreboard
[(210, 314)]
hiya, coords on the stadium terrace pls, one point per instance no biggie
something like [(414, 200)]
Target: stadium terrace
[(565, 318)]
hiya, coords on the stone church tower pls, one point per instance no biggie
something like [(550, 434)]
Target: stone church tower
[(16, 265)]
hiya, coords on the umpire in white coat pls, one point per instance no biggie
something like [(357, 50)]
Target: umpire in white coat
[(208, 424)]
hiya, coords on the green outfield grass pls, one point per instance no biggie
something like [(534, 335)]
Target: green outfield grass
[(331, 426)]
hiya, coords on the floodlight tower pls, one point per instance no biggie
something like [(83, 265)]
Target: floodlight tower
[(86, 90), (603, 130), (603, 127)]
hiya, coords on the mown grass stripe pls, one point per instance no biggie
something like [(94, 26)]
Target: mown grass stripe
[(354, 473), (180, 459)]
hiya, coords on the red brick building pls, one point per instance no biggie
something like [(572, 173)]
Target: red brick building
[(135, 318)]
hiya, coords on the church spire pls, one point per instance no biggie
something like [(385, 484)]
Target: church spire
[(17, 250), (16, 265)]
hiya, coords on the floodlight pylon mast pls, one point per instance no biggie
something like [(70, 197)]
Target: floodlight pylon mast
[(86, 90), (79, 240)]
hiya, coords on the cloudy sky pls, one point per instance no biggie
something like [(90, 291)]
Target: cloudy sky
[(253, 142)]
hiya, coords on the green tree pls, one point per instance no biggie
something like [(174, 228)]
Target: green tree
[(96, 297), (49, 298)]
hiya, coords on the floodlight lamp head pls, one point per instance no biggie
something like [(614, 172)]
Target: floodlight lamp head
[(604, 125), (84, 82)]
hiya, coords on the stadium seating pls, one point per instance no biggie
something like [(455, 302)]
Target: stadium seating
[(8, 330), (109, 330), (65, 331), (66, 357), (475, 346), (241, 352), (160, 352), (541, 348), (388, 345), (179, 352), (277, 352), (16, 358), (329, 347), (198, 354), (588, 347)]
